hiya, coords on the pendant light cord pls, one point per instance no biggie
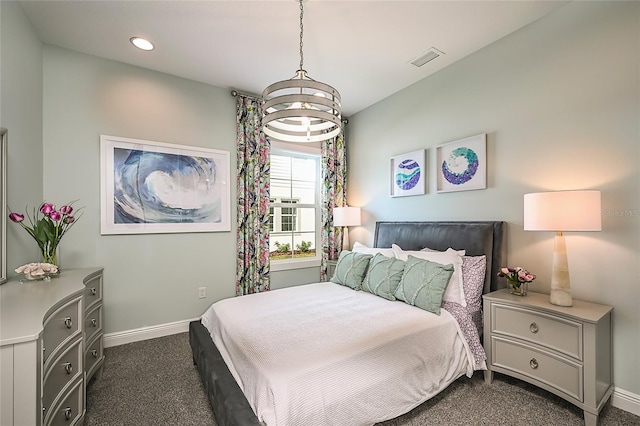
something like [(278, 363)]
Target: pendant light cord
[(301, 33)]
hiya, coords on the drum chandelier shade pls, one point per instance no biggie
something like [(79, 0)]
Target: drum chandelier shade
[(301, 109)]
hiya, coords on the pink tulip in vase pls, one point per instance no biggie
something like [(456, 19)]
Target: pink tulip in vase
[(47, 226)]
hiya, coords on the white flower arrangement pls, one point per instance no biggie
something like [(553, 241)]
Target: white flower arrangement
[(37, 271)]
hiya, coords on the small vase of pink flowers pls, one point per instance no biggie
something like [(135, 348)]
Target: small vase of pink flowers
[(518, 279), (47, 226)]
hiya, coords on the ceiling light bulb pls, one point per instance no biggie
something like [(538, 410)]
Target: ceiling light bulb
[(142, 43)]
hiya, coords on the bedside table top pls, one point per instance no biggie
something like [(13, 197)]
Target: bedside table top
[(586, 311)]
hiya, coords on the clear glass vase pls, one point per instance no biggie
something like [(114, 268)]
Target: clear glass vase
[(518, 290), (50, 256)]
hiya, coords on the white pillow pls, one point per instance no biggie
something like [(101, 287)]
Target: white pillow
[(361, 248), (455, 290)]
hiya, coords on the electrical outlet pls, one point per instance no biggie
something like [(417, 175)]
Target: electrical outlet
[(202, 292)]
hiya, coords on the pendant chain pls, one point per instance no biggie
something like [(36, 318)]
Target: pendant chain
[(301, 32)]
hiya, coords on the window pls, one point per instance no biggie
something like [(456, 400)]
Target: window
[(294, 210)]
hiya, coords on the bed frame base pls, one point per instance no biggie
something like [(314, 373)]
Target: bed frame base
[(229, 404)]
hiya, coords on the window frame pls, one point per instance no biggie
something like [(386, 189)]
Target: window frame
[(301, 151)]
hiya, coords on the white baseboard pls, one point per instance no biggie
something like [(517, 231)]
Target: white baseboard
[(626, 401), (145, 333), (621, 398)]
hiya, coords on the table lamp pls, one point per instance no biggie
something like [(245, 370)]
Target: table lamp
[(344, 217), (561, 211)]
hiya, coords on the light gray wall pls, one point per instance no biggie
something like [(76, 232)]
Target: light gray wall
[(559, 102), (21, 114), (149, 279)]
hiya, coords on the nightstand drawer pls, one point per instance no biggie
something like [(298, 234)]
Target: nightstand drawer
[(552, 332), (557, 372)]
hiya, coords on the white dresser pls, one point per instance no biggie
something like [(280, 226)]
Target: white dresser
[(565, 350), (43, 347)]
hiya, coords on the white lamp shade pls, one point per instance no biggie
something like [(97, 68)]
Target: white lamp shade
[(563, 211), (346, 216)]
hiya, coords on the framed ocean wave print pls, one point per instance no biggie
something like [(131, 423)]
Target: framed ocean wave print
[(153, 187), (462, 165), (408, 175)]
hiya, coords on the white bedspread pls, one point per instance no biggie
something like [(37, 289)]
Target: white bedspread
[(324, 354)]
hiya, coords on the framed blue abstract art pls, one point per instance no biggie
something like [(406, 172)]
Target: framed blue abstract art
[(153, 187), (408, 174), (462, 165)]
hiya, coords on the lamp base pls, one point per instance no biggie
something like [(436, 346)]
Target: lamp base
[(561, 297), (560, 285), (345, 238)]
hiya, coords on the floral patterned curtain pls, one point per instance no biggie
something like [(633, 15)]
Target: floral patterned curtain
[(334, 179), (252, 273)]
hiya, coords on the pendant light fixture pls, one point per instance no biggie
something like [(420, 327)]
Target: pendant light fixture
[(301, 109)]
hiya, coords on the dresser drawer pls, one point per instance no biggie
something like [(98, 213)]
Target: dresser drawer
[(555, 371), (552, 332), (93, 322), (65, 368), (70, 410), (93, 291), (60, 326), (93, 356)]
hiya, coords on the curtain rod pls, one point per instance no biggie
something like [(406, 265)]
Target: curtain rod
[(235, 94)]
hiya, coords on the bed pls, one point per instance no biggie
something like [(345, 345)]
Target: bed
[(366, 359)]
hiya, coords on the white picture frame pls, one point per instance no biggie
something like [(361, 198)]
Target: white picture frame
[(461, 165), (153, 187), (408, 174)]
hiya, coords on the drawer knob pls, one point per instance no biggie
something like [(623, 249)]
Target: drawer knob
[(94, 322), (68, 323), (68, 367), (533, 328), (67, 413), (533, 363), (94, 353), (93, 291)]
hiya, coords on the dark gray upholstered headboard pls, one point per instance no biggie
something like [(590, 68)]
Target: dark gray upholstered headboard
[(477, 238)]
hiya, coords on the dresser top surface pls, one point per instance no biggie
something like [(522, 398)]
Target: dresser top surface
[(23, 306), (585, 311)]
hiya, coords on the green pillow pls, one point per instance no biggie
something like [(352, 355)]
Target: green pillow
[(423, 283), (383, 276), (350, 269)]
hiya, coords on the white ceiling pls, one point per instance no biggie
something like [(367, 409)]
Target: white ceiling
[(362, 48)]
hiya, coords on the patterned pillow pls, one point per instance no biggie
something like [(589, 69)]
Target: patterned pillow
[(423, 283), (350, 269), (383, 276), (473, 275)]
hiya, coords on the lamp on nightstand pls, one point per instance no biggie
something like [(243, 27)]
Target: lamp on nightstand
[(346, 216), (562, 211)]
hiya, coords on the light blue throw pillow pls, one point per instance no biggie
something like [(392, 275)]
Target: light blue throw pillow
[(423, 283), (350, 269), (383, 276)]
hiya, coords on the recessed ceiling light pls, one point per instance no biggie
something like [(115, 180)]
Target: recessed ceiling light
[(141, 43)]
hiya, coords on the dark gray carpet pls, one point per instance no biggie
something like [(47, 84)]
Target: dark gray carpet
[(154, 382)]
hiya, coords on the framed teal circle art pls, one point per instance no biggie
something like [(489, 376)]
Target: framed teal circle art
[(462, 164), (408, 174)]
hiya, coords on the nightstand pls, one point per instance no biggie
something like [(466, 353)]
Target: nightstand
[(564, 350), (331, 268)]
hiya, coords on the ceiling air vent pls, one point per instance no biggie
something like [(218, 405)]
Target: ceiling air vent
[(428, 56)]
